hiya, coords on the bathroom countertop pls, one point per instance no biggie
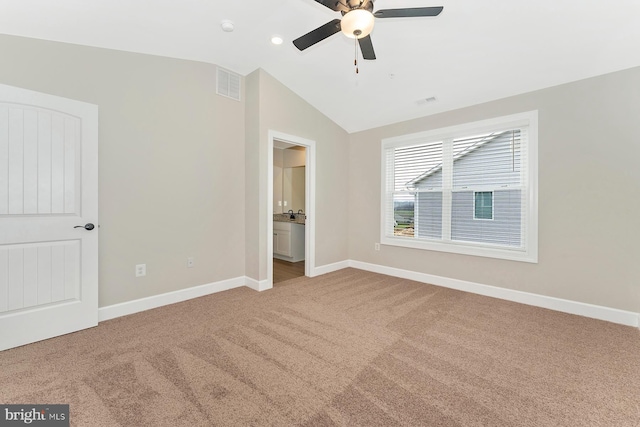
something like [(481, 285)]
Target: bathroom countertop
[(300, 218)]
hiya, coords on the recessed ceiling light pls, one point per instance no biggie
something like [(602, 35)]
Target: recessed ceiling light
[(276, 40), (227, 26)]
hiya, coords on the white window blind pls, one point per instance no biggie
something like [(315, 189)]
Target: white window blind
[(466, 191), (409, 165), (492, 162)]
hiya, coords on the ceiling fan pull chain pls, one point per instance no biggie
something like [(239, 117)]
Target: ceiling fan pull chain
[(355, 52)]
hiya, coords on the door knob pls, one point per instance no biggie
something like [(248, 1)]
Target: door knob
[(87, 227)]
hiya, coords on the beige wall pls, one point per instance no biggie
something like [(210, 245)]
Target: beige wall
[(252, 191), (283, 111), (168, 147), (589, 195)]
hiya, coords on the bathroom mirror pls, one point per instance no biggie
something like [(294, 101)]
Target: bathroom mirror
[(293, 188), (288, 178)]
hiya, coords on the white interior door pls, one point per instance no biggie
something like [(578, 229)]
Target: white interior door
[(48, 186)]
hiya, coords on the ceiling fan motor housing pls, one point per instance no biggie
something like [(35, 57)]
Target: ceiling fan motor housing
[(357, 4)]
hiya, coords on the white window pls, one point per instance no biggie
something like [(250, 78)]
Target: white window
[(469, 189)]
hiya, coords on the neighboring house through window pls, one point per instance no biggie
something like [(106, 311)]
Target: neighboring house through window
[(469, 189)]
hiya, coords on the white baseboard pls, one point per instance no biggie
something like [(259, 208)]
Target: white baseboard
[(329, 268), (566, 306), (256, 285), (142, 304)]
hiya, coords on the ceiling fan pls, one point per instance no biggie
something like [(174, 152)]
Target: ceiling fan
[(357, 22)]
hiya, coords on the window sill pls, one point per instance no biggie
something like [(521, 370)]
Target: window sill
[(465, 248)]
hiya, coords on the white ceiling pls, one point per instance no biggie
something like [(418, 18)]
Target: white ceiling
[(475, 51)]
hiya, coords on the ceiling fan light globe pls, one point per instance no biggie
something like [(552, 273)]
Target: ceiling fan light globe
[(357, 23)]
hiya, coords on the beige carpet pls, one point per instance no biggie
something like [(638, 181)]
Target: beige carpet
[(348, 348)]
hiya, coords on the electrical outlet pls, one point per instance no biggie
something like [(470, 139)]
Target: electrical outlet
[(189, 262), (141, 270), (376, 246)]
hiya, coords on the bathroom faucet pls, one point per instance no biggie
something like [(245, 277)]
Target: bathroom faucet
[(300, 211), (291, 215)]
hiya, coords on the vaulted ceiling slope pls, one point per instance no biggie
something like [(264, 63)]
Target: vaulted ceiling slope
[(471, 53)]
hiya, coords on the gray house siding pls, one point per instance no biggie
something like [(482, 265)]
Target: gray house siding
[(503, 229), (429, 215), (432, 181), (479, 169), (498, 169)]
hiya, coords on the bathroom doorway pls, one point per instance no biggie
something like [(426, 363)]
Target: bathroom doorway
[(291, 190), (289, 211)]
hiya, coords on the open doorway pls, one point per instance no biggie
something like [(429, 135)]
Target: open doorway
[(291, 208), (289, 211)]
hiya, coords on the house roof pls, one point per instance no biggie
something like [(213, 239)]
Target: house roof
[(473, 52), (474, 143)]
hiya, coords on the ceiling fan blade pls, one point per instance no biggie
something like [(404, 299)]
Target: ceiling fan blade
[(334, 5), (317, 35), (367, 48), (408, 12)]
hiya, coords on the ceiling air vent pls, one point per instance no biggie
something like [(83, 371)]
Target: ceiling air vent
[(228, 84), (426, 100)]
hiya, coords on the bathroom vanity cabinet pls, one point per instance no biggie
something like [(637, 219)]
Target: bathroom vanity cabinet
[(288, 241)]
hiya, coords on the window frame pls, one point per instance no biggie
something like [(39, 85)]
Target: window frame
[(530, 230)]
